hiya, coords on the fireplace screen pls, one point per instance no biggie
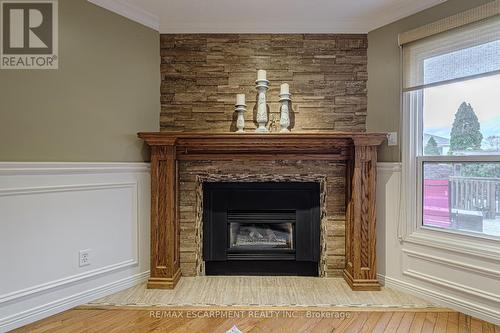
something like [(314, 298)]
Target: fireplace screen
[(261, 235), (261, 228)]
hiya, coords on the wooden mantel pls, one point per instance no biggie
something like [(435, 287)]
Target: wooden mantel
[(358, 150)]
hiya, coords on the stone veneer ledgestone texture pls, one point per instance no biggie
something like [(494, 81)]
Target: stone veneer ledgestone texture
[(202, 73), (330, 175)]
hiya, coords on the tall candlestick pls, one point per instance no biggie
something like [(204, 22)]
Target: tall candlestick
[(285, 98), (240, 121), (261, 85)]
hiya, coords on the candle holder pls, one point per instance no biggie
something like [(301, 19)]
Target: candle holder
[(240, 121), (261, 85), (285, 112)]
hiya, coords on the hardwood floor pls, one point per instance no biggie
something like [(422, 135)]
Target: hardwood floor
[(217, 319)]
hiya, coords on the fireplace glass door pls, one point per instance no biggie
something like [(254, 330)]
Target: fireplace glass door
[(261, 236), (261, 228)]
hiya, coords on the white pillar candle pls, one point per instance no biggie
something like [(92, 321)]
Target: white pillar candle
[(261, 74), (285, 88), (240, 99)]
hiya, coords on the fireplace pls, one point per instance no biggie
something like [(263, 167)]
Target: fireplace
[(267, 228), (346, 161)]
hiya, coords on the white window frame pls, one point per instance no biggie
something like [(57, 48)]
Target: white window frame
[(411, 229)]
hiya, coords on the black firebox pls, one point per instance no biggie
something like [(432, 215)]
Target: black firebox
[(267, 228)]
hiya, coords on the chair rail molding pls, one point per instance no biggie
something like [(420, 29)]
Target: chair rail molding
[(389, 167), (50, 168)]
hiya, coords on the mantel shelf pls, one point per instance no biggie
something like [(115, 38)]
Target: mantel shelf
[(162, 138)]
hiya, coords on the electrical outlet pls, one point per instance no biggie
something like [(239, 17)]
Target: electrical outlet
[(392, 139), (84, 256)]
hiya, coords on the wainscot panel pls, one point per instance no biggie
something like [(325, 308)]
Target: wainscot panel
[(51, 212)]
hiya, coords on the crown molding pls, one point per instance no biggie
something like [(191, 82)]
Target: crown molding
[(131, 12), (196, 23)]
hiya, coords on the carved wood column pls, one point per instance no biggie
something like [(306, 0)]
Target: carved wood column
[(165, 254), (361, 272)]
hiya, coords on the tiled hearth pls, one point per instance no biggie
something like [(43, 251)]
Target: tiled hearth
[(262, 291)]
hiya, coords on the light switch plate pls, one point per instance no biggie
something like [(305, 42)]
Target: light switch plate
[(392, 139)]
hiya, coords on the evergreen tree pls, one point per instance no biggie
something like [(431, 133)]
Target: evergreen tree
[(494, 142), (431, 148), (466, 131)]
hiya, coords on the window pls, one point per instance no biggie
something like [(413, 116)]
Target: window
[(451, 93)]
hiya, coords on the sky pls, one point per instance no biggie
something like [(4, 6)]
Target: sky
[(442, 102)]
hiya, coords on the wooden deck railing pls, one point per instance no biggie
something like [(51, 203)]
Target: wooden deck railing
[(476, 194)]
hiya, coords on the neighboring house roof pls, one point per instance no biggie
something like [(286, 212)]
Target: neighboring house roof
[(441, 142)]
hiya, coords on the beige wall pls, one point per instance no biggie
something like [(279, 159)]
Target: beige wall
[(105, 90), (384, 69)]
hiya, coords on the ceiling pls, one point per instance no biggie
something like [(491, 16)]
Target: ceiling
[(265, 16)]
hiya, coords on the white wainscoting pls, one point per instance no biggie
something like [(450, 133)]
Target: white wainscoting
[(51, 211), (451, 276)]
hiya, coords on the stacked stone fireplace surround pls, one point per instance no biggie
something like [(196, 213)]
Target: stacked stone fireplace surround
[(201, 75)]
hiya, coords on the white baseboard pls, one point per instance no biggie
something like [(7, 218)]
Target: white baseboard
[(441, 299), (66, 303), (381, 279)]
